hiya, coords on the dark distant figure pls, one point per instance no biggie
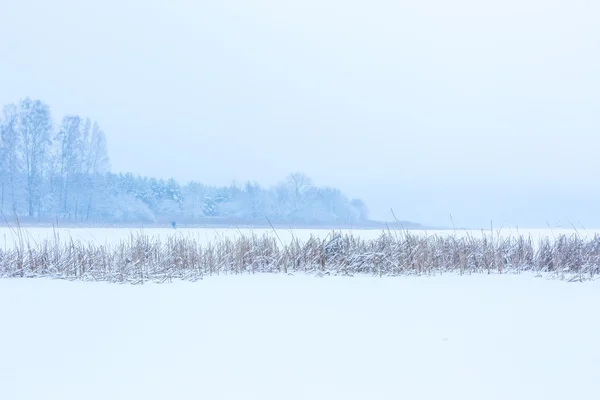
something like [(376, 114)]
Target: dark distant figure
[(174, 225)]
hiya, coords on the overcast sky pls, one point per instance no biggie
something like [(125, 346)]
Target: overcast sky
[(483, 110)]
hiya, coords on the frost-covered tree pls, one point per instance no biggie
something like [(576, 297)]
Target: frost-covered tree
[(34, 127), (10, 159), (82, 160), (65, 173), (361, 209), (254, 201), (96, 164), (96, 155), (193, 194), (169, 199), (294, 197), (70, 143)]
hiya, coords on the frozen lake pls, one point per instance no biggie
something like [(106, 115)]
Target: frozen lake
[(278, 337), (100, 236)]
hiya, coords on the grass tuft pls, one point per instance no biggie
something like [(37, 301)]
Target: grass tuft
[(142, 258)]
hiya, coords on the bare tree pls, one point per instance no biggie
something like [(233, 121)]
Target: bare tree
[(70, 144), (34, 127), (10, 160), (299, 186), (96, 162)]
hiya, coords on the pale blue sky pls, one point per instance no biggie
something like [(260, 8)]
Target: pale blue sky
[(483, 111)]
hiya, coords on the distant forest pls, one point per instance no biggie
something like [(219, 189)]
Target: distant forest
[(62, 171)]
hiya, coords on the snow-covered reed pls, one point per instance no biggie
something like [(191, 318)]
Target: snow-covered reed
[(142, 258)]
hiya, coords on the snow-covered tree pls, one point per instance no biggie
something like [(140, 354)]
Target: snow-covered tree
[(66, 173), (11, 163), (34, 127)]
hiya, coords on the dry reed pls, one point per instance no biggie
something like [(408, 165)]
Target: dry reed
[(142, 258)]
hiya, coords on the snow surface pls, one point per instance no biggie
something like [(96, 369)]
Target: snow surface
[(297, 337), (101, 236)]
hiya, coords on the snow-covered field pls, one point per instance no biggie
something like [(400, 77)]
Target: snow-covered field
[(101, 236), (296, 337)]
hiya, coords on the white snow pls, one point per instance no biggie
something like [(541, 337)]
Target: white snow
[(296, 337)]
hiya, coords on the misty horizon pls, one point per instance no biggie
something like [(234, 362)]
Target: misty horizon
[(482, 112)]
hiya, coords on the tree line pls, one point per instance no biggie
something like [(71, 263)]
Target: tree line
[(62, 171)]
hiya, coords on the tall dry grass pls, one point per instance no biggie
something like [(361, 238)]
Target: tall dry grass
[(142, 258)]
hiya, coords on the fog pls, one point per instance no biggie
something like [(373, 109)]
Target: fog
[(486, 112)]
